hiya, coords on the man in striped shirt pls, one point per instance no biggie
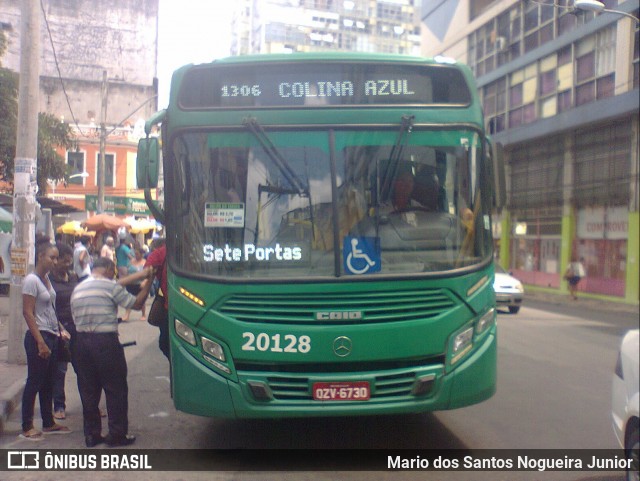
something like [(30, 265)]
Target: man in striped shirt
[(99, 357)]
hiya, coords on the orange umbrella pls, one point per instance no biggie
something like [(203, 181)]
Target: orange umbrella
[(102, 222)]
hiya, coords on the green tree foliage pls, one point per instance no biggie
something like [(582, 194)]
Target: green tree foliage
[(52, 133), (8, 112)]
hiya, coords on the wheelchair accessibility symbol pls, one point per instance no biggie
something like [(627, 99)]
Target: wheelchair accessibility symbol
[(361, 255)]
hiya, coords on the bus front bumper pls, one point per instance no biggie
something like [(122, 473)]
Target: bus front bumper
[(199, 390)]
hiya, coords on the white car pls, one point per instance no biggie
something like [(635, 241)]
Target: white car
[(508, 289), (625, 401)]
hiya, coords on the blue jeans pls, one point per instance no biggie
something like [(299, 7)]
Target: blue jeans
[(39, 383), (59, 374)]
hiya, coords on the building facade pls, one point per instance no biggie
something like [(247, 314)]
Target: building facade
[(98, 67), (285, 26), (560, 92)]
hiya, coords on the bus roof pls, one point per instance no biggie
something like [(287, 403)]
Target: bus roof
[(335, 56)]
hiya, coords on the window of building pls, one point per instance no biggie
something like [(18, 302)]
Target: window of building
[(536, 174), (522, 96), (531, 25), (75, 162), (602, 165), (495, 104), (595, 66), (109, 169), (564, 101), (566, 19), (477, 7), (523, 28)]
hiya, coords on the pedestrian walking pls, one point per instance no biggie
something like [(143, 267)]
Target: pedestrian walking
[(82, 258), (99, 357), (574, 273), (108, 249), (63, 280), (124, 256), (41, 343), (137, 264)]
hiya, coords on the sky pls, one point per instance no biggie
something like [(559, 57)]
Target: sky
[(190, 31)]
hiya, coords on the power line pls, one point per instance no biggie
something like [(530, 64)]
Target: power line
[(55, 58)]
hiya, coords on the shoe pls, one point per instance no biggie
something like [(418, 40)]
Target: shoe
[(126, 440), (91, 441), (32, 435), (60, 414), (56, 429)]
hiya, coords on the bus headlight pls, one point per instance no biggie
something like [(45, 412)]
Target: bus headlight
[(185, 332), (213, 348), (462, 343), (486, 321)]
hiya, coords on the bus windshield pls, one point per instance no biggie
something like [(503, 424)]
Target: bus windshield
[(311, 203)]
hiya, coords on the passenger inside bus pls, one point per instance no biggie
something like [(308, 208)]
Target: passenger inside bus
[(402, 193), (415, 191), (427, 189)]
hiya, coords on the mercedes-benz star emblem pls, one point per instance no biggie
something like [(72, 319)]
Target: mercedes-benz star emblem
[(342, 346)]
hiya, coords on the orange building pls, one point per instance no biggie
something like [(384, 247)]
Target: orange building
[(121, 195)]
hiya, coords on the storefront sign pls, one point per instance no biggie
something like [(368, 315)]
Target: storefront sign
[(602, 223), (118, 205)]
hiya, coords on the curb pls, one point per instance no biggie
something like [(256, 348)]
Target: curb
[(585, 300), (11, 400)]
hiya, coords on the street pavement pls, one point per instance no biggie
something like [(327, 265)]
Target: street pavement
[(13, 376)]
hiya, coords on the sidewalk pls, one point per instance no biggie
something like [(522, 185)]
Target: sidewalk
[(586, 301), (12, 376)]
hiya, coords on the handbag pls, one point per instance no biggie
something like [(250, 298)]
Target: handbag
[(64, 350), (158, 315)]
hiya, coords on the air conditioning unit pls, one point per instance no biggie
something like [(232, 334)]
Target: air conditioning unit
[(501, 44)]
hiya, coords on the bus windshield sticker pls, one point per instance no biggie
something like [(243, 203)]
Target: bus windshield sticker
[(224, 214), (361, 255)]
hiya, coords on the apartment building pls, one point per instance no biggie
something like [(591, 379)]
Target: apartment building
[(285, 26), (560, 91)]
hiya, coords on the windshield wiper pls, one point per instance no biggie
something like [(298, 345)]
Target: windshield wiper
[(406, 125), (274, 154)]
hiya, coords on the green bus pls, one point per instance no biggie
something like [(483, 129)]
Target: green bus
[(329, 238)]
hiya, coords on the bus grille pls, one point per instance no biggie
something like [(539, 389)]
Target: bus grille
[(302, 308)]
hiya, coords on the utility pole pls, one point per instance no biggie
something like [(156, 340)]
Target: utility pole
[(103, 142), (24, 183)]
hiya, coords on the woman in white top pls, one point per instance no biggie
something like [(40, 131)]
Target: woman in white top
[(40, 343)]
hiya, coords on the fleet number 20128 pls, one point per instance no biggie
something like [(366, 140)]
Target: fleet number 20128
[(276, 343)]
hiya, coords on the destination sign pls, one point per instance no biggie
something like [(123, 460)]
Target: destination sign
[(315, 84)]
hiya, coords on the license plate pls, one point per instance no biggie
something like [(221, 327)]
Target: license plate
[(341, 391)]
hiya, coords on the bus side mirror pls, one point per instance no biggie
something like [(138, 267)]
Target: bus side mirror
[(499, 182), (147, 163)]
